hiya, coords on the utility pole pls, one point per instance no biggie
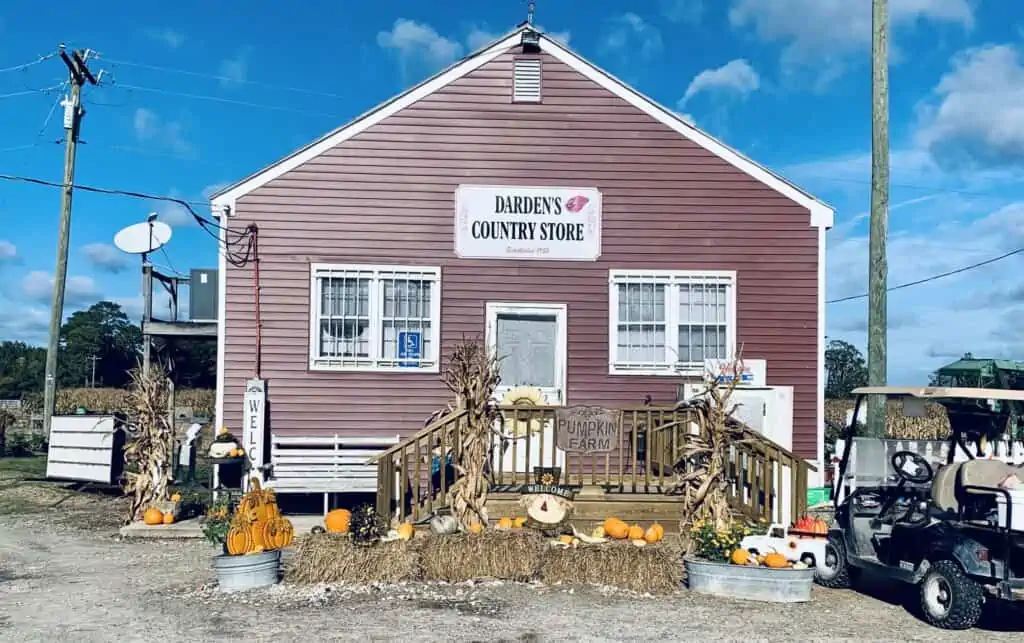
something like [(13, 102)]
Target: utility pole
[(78, 75), (877, 263), (94, 359)]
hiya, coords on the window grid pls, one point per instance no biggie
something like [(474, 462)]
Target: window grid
[(669, 322), (359, 312)]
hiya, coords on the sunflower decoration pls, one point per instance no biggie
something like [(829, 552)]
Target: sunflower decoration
[(525, 396)]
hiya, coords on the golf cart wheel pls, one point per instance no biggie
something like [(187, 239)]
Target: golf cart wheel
[(834, 571), (949, 599)]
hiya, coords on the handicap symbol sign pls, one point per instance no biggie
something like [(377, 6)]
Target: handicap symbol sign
[(410, 347)]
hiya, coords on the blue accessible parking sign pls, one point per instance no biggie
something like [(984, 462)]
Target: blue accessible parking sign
[(410, 347)]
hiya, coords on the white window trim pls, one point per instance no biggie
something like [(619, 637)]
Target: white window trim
[(429, 272), (558, 395), (672, 313)]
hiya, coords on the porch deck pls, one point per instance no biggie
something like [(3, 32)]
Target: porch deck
[(633, 481)]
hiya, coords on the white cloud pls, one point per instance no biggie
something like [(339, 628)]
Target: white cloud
[(689, 11), (736, 78), (235, 70), (151, 129), (213, 188), (21, 323), (975, 116), (105, 257), (169, 37), (412, 40), (631, 34), (937, 321), (8, 251), (822, 34), (78, 290), (175, 214)]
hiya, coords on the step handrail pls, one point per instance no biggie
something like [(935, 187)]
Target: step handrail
[(435, 426)]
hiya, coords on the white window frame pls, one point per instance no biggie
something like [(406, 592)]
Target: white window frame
[(671, 366), (317, 271)]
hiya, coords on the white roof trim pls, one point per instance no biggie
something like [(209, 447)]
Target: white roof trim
[(822, 215)]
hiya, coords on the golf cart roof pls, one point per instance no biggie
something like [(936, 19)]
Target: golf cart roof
[(941, 392)]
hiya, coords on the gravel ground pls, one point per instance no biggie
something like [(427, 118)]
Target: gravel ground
[(64, 573)]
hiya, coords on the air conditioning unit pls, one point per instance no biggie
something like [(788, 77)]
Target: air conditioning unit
[(202, 295)]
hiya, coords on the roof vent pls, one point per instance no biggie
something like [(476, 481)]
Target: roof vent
[(526, 81)]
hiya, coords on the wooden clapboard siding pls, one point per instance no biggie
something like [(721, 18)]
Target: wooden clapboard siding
[(387, 196)]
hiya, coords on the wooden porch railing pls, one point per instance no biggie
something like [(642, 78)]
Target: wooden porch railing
[(765, 481)]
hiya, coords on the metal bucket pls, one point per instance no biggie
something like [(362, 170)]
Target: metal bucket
[(239, 573), (750, 583)]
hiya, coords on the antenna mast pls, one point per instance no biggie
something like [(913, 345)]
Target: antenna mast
[(530, 11)]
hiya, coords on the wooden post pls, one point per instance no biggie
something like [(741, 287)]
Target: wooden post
[(878, 268)]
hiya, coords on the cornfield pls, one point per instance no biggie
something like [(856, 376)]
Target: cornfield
[(112, 400), (934, 426)]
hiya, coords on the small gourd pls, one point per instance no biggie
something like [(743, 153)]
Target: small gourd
[(505, 523), (639, 542), (636, 532), (654, 534), (740, 557), (566, 539), (168, 518), (406, 531), (153, 516), (615, 528), (519, 522), (176, 497), (476, 528)]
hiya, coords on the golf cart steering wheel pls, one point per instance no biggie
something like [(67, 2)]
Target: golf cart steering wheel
[(919, 471)]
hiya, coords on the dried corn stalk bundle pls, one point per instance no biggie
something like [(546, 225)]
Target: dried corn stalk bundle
[(702, 467), (149, 453), (472, 375)]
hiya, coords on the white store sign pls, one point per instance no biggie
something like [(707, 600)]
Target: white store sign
[(503, 222)]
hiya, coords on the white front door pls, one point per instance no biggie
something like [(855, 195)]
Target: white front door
[(530, 339)]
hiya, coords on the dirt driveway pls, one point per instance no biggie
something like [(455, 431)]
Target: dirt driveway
[(64, 575)]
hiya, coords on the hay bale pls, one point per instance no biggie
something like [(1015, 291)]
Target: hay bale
[(333, 558), (654, 569), (512, 555)]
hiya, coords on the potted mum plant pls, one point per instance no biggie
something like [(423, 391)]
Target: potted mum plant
[(712, 533)]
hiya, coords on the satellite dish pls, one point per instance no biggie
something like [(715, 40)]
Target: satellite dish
[(141, 238)]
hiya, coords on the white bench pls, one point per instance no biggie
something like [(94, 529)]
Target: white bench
[(325, 464)]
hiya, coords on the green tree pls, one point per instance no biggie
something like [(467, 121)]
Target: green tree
[(193, 362), (21, 369), (102, 331), (845, 369)]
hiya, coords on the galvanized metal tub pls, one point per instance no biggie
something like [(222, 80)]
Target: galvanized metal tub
[(750, 583), (250, 571)]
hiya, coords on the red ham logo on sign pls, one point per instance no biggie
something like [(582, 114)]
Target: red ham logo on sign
[(576, 203)]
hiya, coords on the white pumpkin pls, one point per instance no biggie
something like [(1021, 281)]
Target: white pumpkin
[(222, 449), (444, 525)]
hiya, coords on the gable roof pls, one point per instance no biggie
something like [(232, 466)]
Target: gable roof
[(822, 215)]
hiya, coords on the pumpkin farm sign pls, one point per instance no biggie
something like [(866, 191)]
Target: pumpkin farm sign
[(587, 429)]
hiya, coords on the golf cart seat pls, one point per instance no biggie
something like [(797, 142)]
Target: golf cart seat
[(949, 480)]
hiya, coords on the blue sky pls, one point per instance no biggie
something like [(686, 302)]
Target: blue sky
[(785, 81)]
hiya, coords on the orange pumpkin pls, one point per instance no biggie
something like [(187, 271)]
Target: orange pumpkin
[(277, 533), (740, 557), (153, 516), (406, 531), (636, 532), (505, 523), (654, 533), (615, 528), (168, 518), (337, 521), (775, 561), (476, 528)]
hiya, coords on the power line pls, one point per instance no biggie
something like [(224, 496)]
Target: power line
[(934, 277), (935, 190), (219, 99), (226, 79), (28, 64), (32, 92), (228, 245)]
